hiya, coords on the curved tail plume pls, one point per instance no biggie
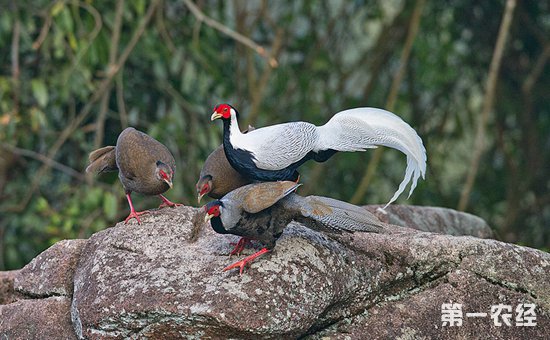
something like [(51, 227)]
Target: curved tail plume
[(364, 128)]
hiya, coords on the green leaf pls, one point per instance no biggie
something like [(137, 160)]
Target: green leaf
[(57, 8), (39, 91), (66, 20), (139, 5), (37, 118), (42, 204)]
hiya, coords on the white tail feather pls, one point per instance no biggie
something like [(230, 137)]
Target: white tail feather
[(364, 128)]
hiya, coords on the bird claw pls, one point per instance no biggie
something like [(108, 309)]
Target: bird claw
[(167, 203), (239, 246), (135, 214), (246, 260)]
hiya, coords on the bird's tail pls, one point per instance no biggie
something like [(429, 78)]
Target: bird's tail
[(102, 160), (335, 215), (364, 128)]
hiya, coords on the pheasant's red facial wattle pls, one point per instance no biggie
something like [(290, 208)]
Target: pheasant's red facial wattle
[(221, 111), (163, 175), (166, 177), (205, 189), (212, 210), (204, 186)]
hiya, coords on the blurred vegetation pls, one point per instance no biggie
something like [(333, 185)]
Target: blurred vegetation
[(73, 74)]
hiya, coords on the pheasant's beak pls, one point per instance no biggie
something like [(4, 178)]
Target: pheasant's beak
[(169, 182), (208, 217), (199, 197), (215, 116)]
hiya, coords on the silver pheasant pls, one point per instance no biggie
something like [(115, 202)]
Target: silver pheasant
[(275, 152), (261, 211)]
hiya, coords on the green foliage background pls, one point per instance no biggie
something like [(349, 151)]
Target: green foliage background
[(73, 74)]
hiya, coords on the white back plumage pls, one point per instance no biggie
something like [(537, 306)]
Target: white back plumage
[(278, 146)]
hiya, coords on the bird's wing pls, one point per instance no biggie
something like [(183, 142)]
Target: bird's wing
[(256, 197), (139, 153), (278, 146), (362, 128), (102, 160), (332, 214)]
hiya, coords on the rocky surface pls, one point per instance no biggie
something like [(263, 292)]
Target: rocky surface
[(45, 318), (163, 279), (51, 272), (434, 219), (7, 292)]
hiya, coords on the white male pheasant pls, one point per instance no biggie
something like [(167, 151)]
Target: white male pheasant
[(274, 153)]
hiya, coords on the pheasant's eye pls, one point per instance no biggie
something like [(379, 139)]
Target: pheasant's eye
[(214, 211)]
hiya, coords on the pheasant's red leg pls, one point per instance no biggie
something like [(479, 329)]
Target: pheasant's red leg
[(246, 260), (167, 203), (133, 212), (239, 247)]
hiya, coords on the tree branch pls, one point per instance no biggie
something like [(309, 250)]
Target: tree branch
[(201, 17), (392, 97), (44, 30), (113, 48), (44, 159), (102, 87), (536, 72), (15, 70), (261, 85), (123, 114), (98, 24), (488, 103)]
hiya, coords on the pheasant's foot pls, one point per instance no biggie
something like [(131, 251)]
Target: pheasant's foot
[(135, 214), (239, 246), (167, 203), (246, 260)]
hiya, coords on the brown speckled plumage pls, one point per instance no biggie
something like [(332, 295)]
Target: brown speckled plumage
[(224, 178), (144, 165), (136, 157)]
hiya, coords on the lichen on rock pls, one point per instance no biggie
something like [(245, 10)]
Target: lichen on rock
[(163, 279)]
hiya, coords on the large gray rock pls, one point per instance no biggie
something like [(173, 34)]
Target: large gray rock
[(163, 279), (51, 272), (434, 219), (35, 300), (37, 319)]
